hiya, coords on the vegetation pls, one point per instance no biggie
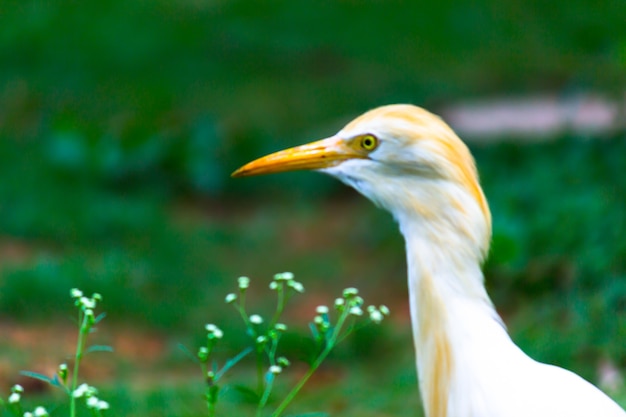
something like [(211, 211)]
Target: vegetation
[(328, 328), (120, 123)]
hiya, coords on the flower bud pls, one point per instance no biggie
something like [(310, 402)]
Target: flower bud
[(41, 412), (297, 286), (376, 316), (283, 276), (62, 372), (321, 310), (203, 354), (356, 311), (350, 292), (244, 283)]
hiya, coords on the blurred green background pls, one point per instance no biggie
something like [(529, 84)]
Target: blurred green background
[(120, 122)]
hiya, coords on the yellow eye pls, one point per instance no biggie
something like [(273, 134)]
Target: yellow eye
[(369, 142)]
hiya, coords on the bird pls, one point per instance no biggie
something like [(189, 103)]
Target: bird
[(409, 162)]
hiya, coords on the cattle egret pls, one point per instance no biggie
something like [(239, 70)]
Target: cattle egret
[(409, 162)]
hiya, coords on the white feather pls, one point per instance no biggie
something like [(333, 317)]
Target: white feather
[(447, 235)]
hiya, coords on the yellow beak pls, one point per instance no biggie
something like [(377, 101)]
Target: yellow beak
[(316, 155)]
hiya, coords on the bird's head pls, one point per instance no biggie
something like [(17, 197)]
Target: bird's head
[(403, 158)]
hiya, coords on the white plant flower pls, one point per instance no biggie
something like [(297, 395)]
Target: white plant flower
[(82, 390), (92, 402), (284, 276), (376, 316), (40, 412), (321, 310), (356, 311), (214, 332), (297, 286), (357, 301), (102, 405), (350, 292), (244, 282), (87, 302)]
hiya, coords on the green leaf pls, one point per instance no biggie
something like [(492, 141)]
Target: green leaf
[(99, 317), (188, 353), (99, 348), (54, 381), (232, 362)]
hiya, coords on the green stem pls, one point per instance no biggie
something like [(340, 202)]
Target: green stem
[(280, 305), (330, 344), (294, 391), (82, 331), (266, 395), (332, 341), (241, 307), (211, 400), (271, 352), (211, 408), (204, 369)]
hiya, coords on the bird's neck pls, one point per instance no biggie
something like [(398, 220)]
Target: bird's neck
[(450, 311)]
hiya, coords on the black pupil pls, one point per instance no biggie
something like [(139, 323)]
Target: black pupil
[(368, 142)]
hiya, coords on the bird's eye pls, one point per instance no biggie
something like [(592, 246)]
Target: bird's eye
[(369, 142)]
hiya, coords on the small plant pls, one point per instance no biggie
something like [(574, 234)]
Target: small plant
[(64, 378), (328, 328)]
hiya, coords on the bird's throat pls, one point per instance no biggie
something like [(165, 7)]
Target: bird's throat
[(448, 302), (433, 347)]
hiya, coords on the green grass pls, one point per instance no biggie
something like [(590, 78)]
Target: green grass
[(120, 123), (144, 75), (557, 256)]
